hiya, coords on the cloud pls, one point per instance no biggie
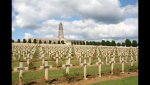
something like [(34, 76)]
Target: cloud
[(130, 10), (91, 30), (99, 19), (27, 36), (13, 29), (29, 14)]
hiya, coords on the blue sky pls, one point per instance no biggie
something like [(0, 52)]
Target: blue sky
[(128, 2), (82, 20)]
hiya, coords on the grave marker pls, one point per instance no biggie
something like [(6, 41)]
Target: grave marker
[(99, 63)]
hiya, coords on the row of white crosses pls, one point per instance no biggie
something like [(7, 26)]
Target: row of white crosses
[(68, 64), (107, 53), (21, 68)]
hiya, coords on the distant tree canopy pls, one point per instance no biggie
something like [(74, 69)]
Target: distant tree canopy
[(118, 44), (24, 41), (29, 40), (127, 42), (59, 42), (62, 42), (113, 43), (49, 41), (40, 41), (45, 41), (108, 43), (34, 41), (13, 41), (103, 42), (134, 43), (123, 44), (18, 40)]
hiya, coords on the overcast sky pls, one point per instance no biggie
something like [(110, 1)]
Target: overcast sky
[(82, 19)]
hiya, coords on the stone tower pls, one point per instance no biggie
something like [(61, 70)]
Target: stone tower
[(60, 32)]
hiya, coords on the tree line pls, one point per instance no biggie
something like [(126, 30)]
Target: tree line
[(126, 43)]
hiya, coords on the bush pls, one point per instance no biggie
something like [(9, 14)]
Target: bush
[(133, 68), (72, 78), (117, 71), (31, 66)]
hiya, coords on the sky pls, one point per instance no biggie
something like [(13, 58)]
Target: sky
[(81, 19)]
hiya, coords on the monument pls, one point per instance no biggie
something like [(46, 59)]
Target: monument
[(60, 32), (61, 35)]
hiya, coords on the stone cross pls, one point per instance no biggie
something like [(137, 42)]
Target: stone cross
[(69, 57), (80, 60), (56, 59), (28, 59), (106, 60), (84, 65), (99, 63), (131, 60), (43, 61), (136, 56), (89, 59), (21, 68), (122, 62), (120, 58), (112, 64), (46, 67), (67, 66)]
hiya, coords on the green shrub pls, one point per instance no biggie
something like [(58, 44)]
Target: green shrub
[(133, 68)]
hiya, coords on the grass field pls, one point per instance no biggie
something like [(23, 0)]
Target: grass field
[(125, 81), (92, 70)]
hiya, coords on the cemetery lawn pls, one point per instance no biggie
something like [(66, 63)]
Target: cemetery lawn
[(57, 73), (133, 80)]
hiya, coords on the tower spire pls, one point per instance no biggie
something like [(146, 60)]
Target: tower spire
[(60, 32)]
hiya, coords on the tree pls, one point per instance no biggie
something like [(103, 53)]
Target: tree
[(13, 41), (18, 40), (59, 42), (34, 41), (40, 41), (83, 42), (103, 42), (123, 44), (118, 44), (108, 43), (113, 43), (134, 43), (49, 41), (54, 42), (29, 40), (72, 42), (45, 41), (24, 41), (99, 43), (127, 42), (87, 43), (62, 42)]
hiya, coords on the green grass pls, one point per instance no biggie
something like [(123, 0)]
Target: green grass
[(125, 81), (34, 75)]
